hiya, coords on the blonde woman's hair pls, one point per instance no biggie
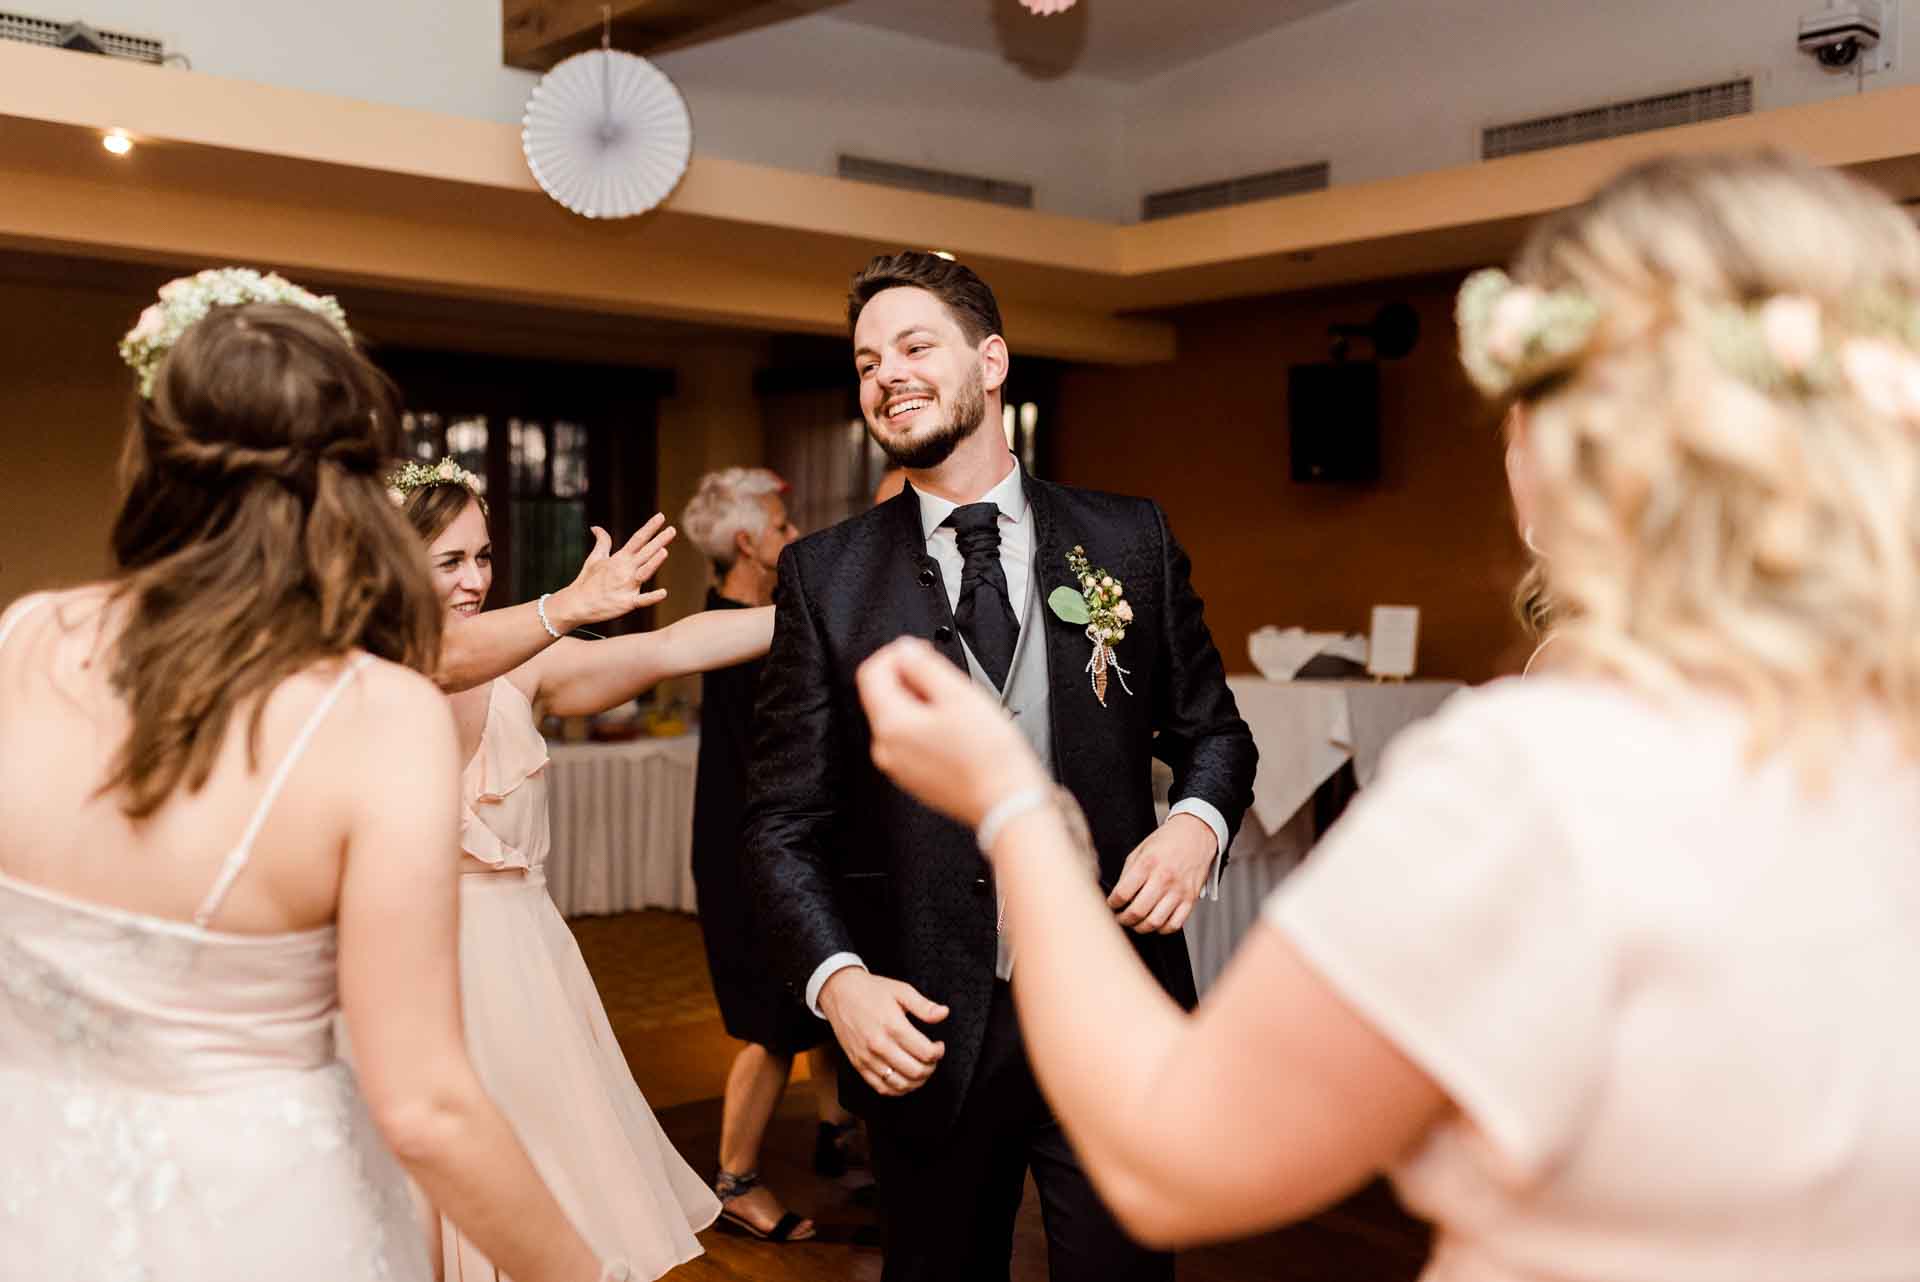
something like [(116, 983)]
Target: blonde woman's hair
[(726, 503), (1699, 530), (1532, 606)]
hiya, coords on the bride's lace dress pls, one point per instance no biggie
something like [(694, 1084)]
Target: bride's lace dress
[(171, 1105)]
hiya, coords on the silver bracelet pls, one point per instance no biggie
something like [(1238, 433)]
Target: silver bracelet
[(541, 608), (1009, 809)]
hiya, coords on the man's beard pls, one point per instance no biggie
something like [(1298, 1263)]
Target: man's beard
[(938, 445)]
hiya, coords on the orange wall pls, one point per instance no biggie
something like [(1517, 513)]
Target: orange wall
[(64, 402), (63, 414), (1207, 436)]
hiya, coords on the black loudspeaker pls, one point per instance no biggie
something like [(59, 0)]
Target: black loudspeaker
[(1333, 422)]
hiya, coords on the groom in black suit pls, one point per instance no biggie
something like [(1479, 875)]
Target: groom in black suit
[(880, 913)]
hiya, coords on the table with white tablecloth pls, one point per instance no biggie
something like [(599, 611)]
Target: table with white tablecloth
[(622, 825), (1305, 730)]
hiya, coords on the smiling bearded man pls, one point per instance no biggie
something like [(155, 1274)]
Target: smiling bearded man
[(880, 913), (919, 440)]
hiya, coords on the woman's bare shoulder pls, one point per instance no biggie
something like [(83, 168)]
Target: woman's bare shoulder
[(395, 697)]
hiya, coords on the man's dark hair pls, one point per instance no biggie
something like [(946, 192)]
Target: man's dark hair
[(966, 296)]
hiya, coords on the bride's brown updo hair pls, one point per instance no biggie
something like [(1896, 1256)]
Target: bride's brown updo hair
[(256, 538)]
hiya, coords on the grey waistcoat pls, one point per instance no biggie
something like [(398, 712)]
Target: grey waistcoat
[(1027, 697)]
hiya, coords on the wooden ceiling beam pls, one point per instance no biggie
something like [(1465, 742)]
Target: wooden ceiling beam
[(538, 33)]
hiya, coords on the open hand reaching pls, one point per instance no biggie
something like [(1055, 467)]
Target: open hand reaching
[(611, 584)]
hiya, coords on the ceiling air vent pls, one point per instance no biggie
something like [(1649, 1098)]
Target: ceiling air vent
[(1236, 191), (78, 35), (1642, 115), (938, 182)]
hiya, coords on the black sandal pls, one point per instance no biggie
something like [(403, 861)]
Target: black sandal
[(727, 1186)]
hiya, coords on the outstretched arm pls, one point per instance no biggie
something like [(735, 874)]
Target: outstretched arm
[(1273, 1100), (610, 584), (581, 678)]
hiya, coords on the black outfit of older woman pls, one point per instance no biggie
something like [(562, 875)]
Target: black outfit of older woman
[(754, 1006)]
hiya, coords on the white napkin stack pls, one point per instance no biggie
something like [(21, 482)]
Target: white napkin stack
[(1280, 652)]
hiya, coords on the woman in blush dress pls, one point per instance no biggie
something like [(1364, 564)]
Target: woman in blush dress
[(1610, 968), (536, 1029), (227, 805)]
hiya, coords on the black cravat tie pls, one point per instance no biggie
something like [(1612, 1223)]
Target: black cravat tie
[(985, 613)]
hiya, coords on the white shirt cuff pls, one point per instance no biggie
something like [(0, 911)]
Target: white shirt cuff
[(1207, 813), (827, 970)]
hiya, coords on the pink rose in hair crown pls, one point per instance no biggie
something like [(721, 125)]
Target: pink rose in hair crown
[(1044, 7), (1791, 327), (151, 322)]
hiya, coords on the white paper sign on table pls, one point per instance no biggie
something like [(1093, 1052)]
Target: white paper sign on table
[(1394, 638)]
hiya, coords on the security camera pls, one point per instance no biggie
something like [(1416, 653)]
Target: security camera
[(1837, 36)]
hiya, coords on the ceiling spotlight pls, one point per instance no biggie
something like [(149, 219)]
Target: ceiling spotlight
[(117, 142)]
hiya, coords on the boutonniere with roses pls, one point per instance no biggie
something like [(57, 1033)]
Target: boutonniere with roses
[(1099, 604)]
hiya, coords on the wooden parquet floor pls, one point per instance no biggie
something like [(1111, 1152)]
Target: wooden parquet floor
[(652, 976)]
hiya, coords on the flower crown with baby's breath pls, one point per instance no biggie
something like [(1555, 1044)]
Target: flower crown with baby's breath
[(421, 476), (1512, 336), (188, 299)]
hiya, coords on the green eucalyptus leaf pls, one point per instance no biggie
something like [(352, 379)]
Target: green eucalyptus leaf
[(1068, 604)]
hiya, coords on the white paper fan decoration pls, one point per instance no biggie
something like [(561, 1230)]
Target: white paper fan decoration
[(607, 134)]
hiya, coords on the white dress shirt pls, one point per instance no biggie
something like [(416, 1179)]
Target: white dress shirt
[(1016, 561)]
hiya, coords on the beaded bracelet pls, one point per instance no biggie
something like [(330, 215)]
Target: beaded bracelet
[(1065, 804), (1009, 809), (541, 609)]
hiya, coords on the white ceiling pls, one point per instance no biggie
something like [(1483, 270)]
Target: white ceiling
[(1123, 40)]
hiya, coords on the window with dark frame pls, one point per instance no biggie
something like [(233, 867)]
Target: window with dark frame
[(559, 447)]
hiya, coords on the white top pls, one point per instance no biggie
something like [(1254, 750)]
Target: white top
[(1671, 993)]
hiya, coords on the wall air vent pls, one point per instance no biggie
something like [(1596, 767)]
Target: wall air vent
[(78, 35), (1236, 191), (1642, 115), (937, 182)]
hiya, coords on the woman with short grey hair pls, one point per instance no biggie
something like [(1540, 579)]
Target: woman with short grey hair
[(738, 519), (732, 518)]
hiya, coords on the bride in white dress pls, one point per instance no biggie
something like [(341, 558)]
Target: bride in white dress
[(227, 812)]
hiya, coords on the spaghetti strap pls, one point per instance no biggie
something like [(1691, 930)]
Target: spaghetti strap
[(21, 609), (236, 860)]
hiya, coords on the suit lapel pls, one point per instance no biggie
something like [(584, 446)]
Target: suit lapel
[(914, 578)]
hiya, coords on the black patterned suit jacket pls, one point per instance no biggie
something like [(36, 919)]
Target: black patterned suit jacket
[(839, 860)]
